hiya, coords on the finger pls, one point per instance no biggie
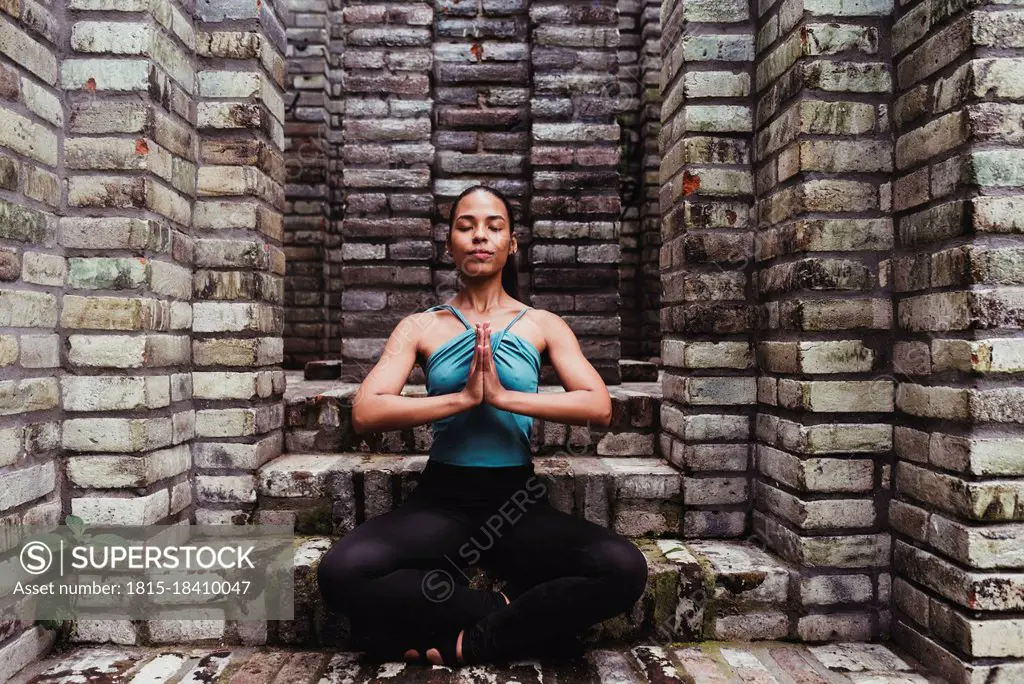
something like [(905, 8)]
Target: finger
[(486, 343)]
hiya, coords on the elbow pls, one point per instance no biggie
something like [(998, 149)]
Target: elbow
[(604, 418), (359, 426)]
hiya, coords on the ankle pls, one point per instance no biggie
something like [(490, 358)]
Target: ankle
[(468, 654), (507, 599)]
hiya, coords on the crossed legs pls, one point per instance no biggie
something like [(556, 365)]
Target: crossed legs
[(399, 573), (568, 574)]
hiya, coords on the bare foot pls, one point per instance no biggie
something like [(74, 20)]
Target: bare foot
[(411, 655), (434, 656)]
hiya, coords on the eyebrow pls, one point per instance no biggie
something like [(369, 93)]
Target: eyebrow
[(469, 216)]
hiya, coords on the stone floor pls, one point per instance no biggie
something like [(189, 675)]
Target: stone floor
[(706, 663)]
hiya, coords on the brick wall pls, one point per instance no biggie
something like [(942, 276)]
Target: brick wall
[(307, 215), (427, 100), (886, 158), (576, 202), (140, 253), (481, 80), (958, 350), (647, 331), (636, 98), (33, 272)]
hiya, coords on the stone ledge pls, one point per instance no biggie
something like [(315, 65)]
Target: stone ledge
[(334, 493), (318, 419)]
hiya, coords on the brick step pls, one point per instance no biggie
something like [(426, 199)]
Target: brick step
[(332, 493), (696, 591), (318, 419), (767, 663), (638, 371)]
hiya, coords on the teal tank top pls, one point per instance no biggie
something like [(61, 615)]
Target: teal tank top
[(483, 435)]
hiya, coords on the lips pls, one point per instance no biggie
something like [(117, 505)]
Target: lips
[(481, 254)]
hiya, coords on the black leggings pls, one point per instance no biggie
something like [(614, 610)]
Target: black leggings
[(398, 578)]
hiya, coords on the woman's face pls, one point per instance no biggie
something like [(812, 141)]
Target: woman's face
[(480, 236)]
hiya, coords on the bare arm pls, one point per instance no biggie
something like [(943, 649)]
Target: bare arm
[(585, 401), (378, 406)]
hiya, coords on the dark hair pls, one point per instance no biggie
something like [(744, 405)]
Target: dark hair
[(510, 272)]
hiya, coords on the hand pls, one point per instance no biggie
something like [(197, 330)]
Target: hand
[(474, 389), (493, 389)]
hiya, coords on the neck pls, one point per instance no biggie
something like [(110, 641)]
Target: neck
[(482, 296)]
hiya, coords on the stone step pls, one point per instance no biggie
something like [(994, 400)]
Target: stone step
[(332, 493), (318, 419), (722, 663), (638, 371), (696, 591), (730, 590)]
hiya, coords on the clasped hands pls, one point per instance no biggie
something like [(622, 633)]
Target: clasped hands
[(483, 384)]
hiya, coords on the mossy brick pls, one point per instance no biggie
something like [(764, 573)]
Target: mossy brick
[(10, 265), (997, 168), (834, 38), (24, 224), (27, 395), (24, 309), (115, 471), (106, 273)]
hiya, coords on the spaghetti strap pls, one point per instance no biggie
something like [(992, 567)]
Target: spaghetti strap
[(501, 333), (512, 322), (504, 330), (454, 311)]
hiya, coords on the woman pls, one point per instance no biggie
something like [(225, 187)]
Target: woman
[(479, 500)]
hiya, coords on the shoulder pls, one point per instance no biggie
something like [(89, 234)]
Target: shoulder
[(551, 324), (543, 316), (412, 325)]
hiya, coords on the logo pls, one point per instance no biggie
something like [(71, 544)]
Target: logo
[(36, 558)]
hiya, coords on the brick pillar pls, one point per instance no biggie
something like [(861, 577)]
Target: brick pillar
[(649, 235), (130, 159), (575, 204), (958, 196), (481, 101), (32, 273), (239, 264), (332, 287), (307, 155), (822, 159), (385, 256), (706, 315), (627, 95)]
